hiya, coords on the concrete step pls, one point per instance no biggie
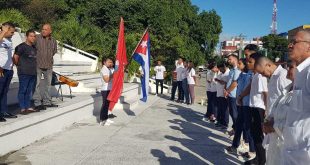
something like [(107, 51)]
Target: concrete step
[(26, 129)]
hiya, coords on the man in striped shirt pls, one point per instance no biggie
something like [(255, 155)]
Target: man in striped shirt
[(46, 48)]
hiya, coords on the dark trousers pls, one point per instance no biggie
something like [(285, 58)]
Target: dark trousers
[(174, 89), (211, 108), (257, 118), (180, 91), (243, 124), (185, 90), (4, 88), (26, 85), (222, 111), (105, 106), (232, 106), (161, 82)]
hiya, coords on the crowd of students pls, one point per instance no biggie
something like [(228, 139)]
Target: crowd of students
[(33, 59), (268, 104)]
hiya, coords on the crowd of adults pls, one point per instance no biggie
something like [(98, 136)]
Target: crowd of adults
[(33, 59)]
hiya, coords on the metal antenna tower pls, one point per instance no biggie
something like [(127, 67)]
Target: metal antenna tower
[(274, 18)]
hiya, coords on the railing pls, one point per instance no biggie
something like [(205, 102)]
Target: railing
[(79, 51)]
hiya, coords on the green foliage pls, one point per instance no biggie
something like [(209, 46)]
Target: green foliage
[(15, 16), (177, 28), (276, 45)]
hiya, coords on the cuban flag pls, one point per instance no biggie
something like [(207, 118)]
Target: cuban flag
[(142, 56)]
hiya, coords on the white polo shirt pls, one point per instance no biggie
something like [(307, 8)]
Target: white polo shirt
[(6, 54), (296, 132), (160, 70), (219, 86), (106, 86), (258, 86), (278, 85), (179, 72)]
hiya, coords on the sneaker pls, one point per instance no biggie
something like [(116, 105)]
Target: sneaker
[(205, 119), (110, 121), (2, 119), (104, 123), (231, 150), (248, 155)]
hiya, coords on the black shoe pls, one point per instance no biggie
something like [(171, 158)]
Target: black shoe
[(51, 105), (2, 119), (251, 162), (111, 116), (9, 115), (39, 108)]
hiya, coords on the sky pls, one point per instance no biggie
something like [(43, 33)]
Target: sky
[(253, 18)]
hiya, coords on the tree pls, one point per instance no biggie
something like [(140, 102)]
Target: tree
[(276, 45), (16, 17)]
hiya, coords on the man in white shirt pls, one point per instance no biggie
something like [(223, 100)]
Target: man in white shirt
[(278, 86), (106, 74), (6, 67), (296, 131), (160, 71), (179, 70)]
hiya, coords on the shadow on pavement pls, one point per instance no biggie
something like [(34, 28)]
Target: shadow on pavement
[(208, 146)]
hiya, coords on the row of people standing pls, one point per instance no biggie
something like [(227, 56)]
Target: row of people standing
[(184, 80), (33, 58)]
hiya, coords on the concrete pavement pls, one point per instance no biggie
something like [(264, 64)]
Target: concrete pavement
[(159, 132)]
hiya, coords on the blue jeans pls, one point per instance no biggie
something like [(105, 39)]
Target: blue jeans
[(232, 105), (222, 111), (4, 88), (26, 85), (211, 108), (185, 90), (243, 125)]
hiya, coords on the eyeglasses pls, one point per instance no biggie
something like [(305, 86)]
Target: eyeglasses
[(293, 42)]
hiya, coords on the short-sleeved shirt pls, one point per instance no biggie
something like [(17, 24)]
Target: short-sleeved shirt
[(220, 87), (46, 49), (27, 59), (212, 84), (160, 70), (243, 81), (179, 72), (258, 86), (233, 76), (6, 54), (105, 71), (190, 76), (278, 85)]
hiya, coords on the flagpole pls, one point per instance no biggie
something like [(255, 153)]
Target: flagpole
[(139, 41), (137, 46)]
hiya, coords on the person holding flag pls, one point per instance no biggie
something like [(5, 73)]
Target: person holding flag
[(142, 56)]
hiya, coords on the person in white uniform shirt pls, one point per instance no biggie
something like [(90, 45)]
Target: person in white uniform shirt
[(211, 94), (6, 67), (258, 103), (185, 85), (296, 132), (191, 80), (160, 75), (106, 74), (278, 86), (179, 70), (222, 102)]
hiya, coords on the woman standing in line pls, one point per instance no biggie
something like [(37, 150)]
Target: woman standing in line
[(191, 79)]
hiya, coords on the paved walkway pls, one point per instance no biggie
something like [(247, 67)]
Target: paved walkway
[(160, 132)]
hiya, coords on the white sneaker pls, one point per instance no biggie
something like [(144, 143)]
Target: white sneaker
[(205, 119), (110, 121), (104, 123)]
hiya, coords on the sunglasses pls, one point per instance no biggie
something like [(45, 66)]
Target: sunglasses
[(294, 41)]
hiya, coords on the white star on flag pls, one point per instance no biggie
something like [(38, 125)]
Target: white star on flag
[(144, 44)]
